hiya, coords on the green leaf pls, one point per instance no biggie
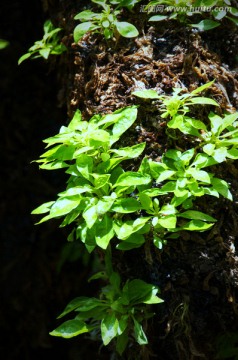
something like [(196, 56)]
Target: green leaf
[(227, 121), (146, 94), (220, 154), (186, 156), (235, 21), (199, 175), (81, 304), (222, 187), (122, 341), (103, 4), (168, 222), (139, 223), (158, 242), (152, 192), (98, 275), (70, 329), (84, 165), (99, 137), (203, 160), (126, 118), (101, 180), (54, 165), (44, 208), (76, 120), (169, 187), (232, 154), (63, 206), (126, 29), (139, 291), (104, 232), (130, 178), (203, 87), (233, 11), (146, 201), (211, 192), (157, 168), (216, 123), (127, 205), (158, 18), (176, 122), (204, 101), (134, 241), (109, 328), (166, 174), (124, 230), (153, 300), (3, 44), (110, 119), (90, 215), (82, 150), (173, 154), (45, 52), (197, 124), (130, 152), (63, 152), (196, 225), (196, 215), (70, 217), (209, 148), (139, 333), (64, 135), (144, 166), (85, 15), (105, 204), (24, 57), (81, 29), (205, 25), (195, 189), (77, 190)]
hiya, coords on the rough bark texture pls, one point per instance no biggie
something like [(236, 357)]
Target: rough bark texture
[(197, 273)]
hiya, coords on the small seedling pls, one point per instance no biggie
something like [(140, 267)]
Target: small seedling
[(105, 22), (49, 45)]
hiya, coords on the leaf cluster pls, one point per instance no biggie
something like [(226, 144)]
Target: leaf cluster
[(220, 9), (105, 22), (218, 139), (108, 204), (117, 313), (50, 44), (100, 194)]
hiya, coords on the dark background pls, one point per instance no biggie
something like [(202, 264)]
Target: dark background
[(34, 287)]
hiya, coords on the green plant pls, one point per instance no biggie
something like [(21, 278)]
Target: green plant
[(49, 45), (105, 22), (109, 205), (118, 312), (176, 106), (97, 185), (220, 142), (100, 194), (182, 10), (3, 44)]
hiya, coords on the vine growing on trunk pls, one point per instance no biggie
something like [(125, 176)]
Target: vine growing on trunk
[(111, 207)]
